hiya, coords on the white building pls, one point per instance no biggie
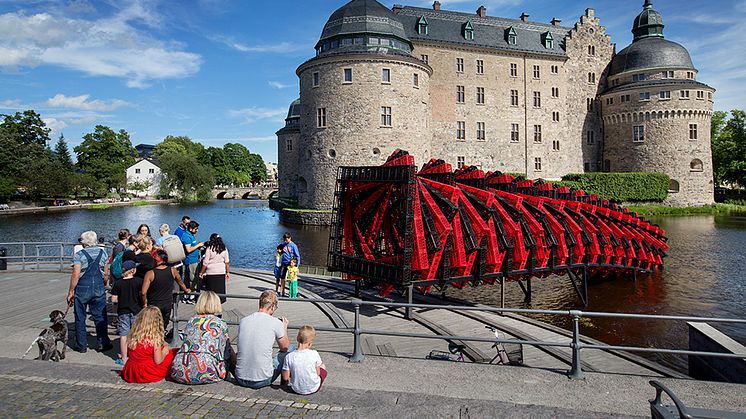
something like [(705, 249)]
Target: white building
[(145, 170), (271, 172)]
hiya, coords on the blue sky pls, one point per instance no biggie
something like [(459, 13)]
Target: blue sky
[(224, 70)]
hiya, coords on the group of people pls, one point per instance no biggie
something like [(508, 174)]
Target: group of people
[(145, 276)]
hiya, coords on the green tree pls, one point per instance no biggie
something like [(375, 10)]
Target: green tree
[(257, 168), (51, 179), (105, 155), (61, 153), (83, 184), (27, 128), (239, 160), (139, 185), (23, 140), (7, 190), (729, 148), (186, 177), (179, 145), (218, 162)]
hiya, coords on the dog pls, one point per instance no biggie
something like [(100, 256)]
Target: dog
[(49, 337)]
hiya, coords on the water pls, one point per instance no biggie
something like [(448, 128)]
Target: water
[(703, 275)]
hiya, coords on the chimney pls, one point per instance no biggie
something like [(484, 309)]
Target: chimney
[(482, 11), (556, 22), (436, 6), (524, 17)]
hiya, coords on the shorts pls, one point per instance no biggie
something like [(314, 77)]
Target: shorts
[(125, 323), (278, 270)]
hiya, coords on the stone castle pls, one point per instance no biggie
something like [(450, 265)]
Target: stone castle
[(503, 94)]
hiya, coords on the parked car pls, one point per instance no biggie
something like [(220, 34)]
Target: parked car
[(98, 201), (4, 207), (73, 202)]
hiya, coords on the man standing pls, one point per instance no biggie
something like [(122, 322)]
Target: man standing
[(182, 227), (257, 333), (191, 248), (289, 252), (87, 291)]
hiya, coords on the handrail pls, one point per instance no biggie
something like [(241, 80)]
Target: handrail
[(574, 343)]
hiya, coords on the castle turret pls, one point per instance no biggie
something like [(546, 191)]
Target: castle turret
[(657, 117)]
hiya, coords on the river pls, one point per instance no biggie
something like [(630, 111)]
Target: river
[(703, 275)]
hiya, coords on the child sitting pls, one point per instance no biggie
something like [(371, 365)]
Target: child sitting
[(126, 292), (303, 367), (292, 278), (149, 357), (278, 269)]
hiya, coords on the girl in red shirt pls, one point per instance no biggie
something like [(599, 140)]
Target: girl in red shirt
[(149, 357)]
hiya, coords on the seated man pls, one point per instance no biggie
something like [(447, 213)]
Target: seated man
[(257, 333)]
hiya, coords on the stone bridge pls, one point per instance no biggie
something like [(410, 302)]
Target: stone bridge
[(249, 192)]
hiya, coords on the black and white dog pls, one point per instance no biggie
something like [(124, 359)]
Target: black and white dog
[(49, 337)]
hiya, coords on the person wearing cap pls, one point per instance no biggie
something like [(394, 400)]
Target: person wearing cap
[(127, 291), (87, 282)]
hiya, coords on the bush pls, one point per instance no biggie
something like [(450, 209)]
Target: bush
[(620, 187)]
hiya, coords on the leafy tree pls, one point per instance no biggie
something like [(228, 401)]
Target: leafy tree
[(139, 185), (51, 179), (218, 161), (7, 190), (185, 176), (729, 148), (257, 168), (23, 140), (105, 155), (179, 145), (27, 128), (61, 153), (239, 160), (85, 184)]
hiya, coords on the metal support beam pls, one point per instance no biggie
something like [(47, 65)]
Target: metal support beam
[(408, 310), (574, 278), (502, 292), (576, 373), (357, 354), (526, 290)]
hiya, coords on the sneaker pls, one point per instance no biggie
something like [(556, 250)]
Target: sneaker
[(81, 350), (104, 348), (119, 361)]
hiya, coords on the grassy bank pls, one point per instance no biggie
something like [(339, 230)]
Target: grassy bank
[(655, 210)]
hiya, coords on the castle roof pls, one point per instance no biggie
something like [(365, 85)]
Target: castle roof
[(650, 50), (488, 32)]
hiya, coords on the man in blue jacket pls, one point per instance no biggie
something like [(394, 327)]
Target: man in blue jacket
[(191, 248), (289, 251)]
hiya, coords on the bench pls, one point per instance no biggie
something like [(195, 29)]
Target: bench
[(660, 411)]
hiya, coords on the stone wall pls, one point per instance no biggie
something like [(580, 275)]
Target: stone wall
[(288, 145), (306, 218)]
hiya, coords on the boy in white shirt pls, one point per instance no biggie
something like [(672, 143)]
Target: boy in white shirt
[(303, 367)]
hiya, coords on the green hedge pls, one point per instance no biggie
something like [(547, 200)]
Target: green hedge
[(621, 187)]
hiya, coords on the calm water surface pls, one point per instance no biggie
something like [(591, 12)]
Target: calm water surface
[(703, 276)]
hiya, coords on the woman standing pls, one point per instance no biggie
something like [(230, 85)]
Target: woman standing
[(215, 266), (158, 285)]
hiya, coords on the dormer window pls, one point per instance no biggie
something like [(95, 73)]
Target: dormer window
[(511, 36), (548, 41), (422, 26), (468, 31)]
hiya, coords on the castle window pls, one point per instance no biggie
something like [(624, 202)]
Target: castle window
[(460, 161), (700, 95), (684, 95), (590, 138), (555, 69), (316, 79), (591, 50), (555, 91), (696, 166), (513, 70), (673, 186), (289, 145), (537, 133), (415, 80), (638, 133), (537, 164), (638, 77), (468, 31), (514, 98), (511, 36), (480, 66), (459, 65), (589, 104), (624, 98), (321, 117), (591, 77), (385, 116), (480, 131), (537, 99), (664, 95), (555, 116), (555, 145), (422, 26), (460, 94), (537, 72), (609, 100), (348, 75), (461, 130), (548, 40), (644, 96), (424, 58), (386, 76), (668, 74), (709, 95), (690, 74), (514, 133), (480, 95), (151, 170), (692, 131), (137, 170)]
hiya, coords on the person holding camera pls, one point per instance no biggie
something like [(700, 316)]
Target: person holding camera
[(191, 248), (215, 266)]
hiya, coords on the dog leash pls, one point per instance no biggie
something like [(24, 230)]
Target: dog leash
[(37, 339)]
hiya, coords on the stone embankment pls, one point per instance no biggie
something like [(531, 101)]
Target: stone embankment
[(40, 209)]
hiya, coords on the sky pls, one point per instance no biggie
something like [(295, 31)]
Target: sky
[(223, 71)]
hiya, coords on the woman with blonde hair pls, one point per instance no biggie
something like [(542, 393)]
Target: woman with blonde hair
[(206, 353), (149, 357)]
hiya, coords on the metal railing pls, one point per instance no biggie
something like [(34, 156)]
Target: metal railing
[(35, 254), (575, 344)]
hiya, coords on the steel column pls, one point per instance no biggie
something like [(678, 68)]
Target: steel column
[(357, 354), (576, 373)]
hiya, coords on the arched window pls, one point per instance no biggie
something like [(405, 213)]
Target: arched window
[(696, 166), (302, 185), (468, 31), (548, 40), (511, 36), (673, 186), (422, 26)]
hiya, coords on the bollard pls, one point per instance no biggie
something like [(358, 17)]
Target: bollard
[(357, 354), (576, 373), (3, 260)]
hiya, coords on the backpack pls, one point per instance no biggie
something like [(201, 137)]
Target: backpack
[(115, 269), (174, 249)]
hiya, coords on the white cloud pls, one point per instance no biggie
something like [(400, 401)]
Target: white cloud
[(10, 104), (54, 124), (82, 102), (117, 46), (252, 114), (277, 48), (280, 85)]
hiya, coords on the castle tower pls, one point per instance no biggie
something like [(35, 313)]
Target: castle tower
[(656, 115), (361, 97)]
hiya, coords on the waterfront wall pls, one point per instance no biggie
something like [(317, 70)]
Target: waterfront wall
[(306, 218), (703, 337)]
